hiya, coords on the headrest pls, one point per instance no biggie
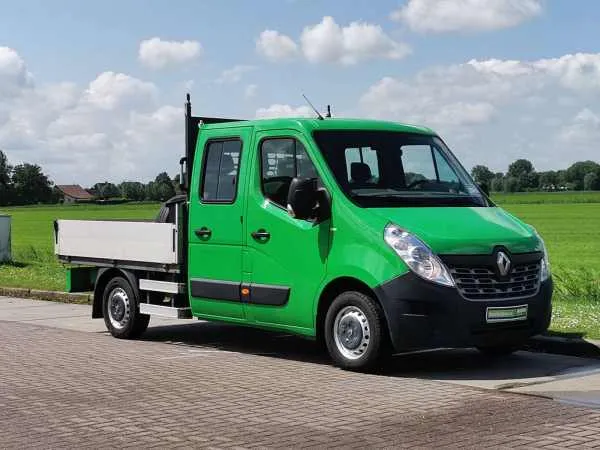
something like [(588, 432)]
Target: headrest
[(360, 172)]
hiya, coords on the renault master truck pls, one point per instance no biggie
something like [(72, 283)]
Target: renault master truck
[(366, 235)]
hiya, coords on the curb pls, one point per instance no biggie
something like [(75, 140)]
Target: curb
[(53, 296), (570, 346)]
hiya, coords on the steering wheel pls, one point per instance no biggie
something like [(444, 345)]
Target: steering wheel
[(416, 183)]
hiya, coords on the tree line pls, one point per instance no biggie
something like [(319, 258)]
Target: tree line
[(26, 184), (161, 189), (521, 177)]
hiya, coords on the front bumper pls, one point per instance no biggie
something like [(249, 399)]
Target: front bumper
[(421, 315)]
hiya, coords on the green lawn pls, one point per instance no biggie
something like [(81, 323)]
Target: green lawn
[(547, 197), (569, 223)]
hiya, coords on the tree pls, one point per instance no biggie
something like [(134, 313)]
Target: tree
[(31, 185), (6, 192), (5, 170), (576, 173), (177, 184), (133, 190), (163, 177), (591, 182), (520, 168), (529, 180), (483, 175), (561, 177), (511, 184), (106, 190), (163, 187), (547, 180), (497, 184)]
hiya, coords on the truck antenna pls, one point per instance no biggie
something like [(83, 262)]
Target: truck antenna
[(313, 108), (328, 115)]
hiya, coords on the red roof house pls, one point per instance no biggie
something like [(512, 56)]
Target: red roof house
[(74, 193)]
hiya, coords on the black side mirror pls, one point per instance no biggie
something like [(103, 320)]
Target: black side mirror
[(303, 198), (484, 188)]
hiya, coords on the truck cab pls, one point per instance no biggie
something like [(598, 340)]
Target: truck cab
[(366, 235)]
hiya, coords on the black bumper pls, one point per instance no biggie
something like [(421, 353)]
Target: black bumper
[(421, 315)]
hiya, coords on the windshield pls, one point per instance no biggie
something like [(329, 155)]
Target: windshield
[(387, 169)]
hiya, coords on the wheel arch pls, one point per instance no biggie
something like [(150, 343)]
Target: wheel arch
[(102, 279), (332, 290)]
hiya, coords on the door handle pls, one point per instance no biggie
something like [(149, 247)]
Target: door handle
[(203, 232), (261, 235)]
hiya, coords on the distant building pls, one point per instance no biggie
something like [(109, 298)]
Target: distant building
[(73, 193)]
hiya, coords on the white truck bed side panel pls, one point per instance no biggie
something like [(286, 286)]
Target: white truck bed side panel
[(115, 240)]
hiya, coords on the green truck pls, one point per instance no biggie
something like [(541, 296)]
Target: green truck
[(368, 236)]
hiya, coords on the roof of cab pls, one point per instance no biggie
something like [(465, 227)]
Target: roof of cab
[(312, 124)]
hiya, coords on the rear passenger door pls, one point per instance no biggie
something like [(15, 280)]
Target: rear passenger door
[(215, 223)]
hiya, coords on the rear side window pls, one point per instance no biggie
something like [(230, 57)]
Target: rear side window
[(281, 161), (220, 171)]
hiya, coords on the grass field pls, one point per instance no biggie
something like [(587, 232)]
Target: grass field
[(569, 223), (33, 246)]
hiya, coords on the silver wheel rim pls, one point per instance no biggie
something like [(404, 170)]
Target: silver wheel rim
[(119, 308), (351, 332)]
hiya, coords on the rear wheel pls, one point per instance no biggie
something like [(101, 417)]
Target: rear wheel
[(121, 310), (355, 331)]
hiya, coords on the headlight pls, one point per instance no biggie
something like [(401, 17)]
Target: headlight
[(417, 255), (545, 270)]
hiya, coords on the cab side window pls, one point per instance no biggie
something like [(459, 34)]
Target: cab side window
[(220, 171), (283, 159)]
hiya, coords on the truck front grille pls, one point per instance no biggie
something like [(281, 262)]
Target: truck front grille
[(482, 283)]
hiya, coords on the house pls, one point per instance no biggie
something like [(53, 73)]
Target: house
[(73, 193)]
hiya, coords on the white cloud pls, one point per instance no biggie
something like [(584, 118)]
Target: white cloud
[(440, 16), (235, 74), (158, 54), (250, 91), (278, 110), (116, 90), (584, 129), (328, 42), (14, 75), (275, 46), (112, 129), (479, 106)]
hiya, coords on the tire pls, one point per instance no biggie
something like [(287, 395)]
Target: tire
[(498, 351), (120, 308), (355, 332)]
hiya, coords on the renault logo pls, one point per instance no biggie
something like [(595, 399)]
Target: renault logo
[(503, 263)]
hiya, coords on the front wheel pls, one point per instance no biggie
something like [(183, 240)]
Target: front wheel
[(355, 331), (121, 310)]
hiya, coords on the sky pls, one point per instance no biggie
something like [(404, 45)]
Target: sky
[(94, 91)]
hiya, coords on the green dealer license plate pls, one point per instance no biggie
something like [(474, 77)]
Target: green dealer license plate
[(506, 314)]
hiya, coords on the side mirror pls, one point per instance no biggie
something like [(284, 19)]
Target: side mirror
[(303, 198), (484, 188)]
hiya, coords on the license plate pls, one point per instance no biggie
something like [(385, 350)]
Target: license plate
[(506, 314)]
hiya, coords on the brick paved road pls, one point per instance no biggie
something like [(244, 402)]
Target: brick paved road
[(62, 388)]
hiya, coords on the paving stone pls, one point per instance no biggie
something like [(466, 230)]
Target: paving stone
[(67, 389)]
